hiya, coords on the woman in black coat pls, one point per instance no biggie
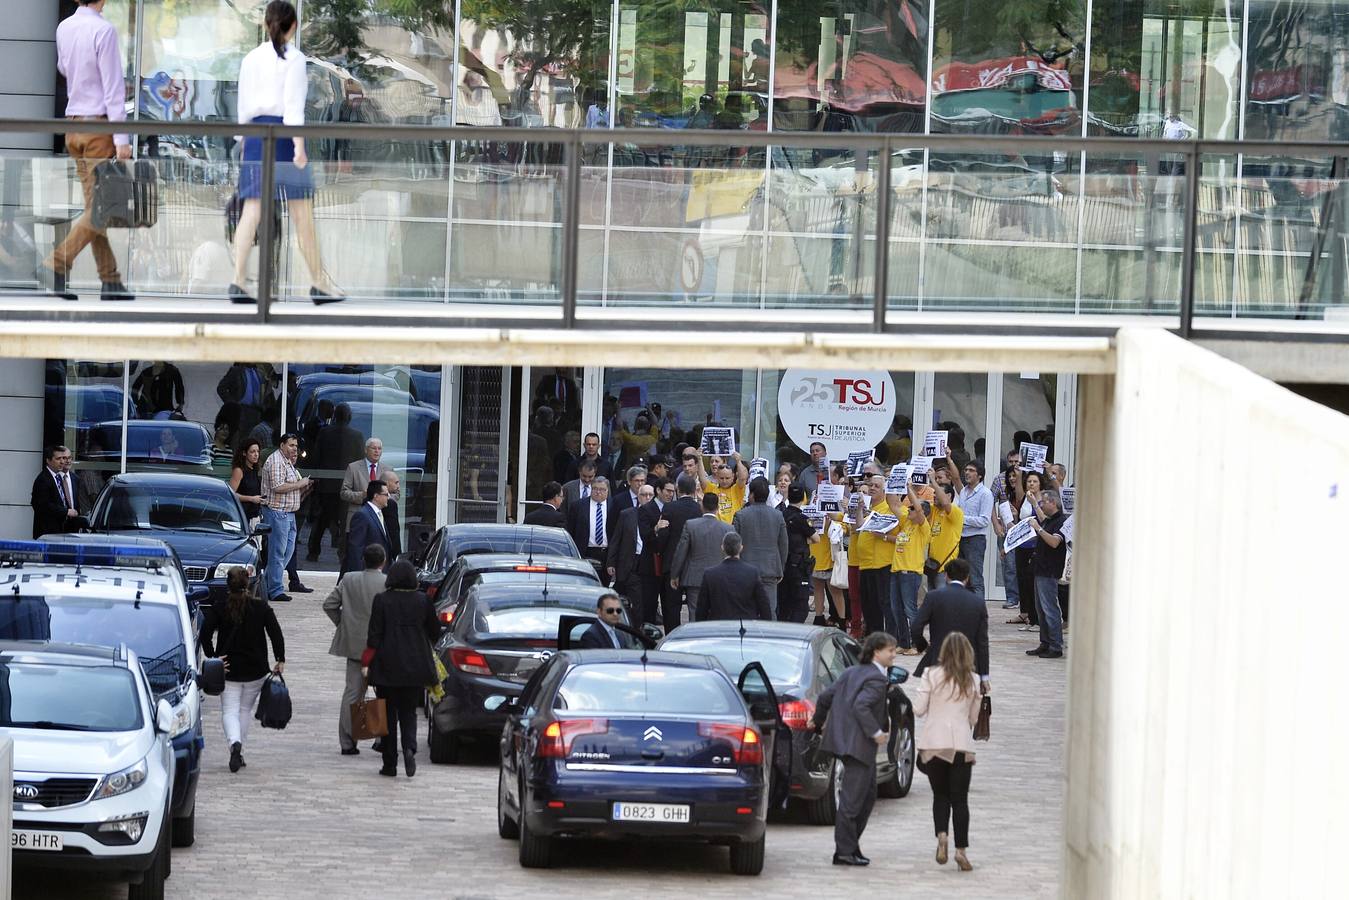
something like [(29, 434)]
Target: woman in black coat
[(403, 628)]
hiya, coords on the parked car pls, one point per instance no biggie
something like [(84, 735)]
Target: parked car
[(151, 444), (198, 516), (453, 541), (801, 661), (93, 763), (474, 569)]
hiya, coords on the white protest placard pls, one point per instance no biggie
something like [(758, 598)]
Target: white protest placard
[(879, 523), (919, 467), (1033, 457), (1018, 534), (897, 482), (935, 443), (1069, 497), (829, 497), (758, 468), (814, 517), (857, 462), (854, 501), (718, 441)]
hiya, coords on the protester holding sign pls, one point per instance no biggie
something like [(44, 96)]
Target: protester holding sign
[(1024, 504), (729, 485), (1047, 566), (874, 553), (823, 554), (948, 521), (906, 566)]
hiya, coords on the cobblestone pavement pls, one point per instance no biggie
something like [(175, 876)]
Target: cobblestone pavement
[(301, 821)]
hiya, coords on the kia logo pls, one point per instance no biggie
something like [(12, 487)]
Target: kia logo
[(25, 792)]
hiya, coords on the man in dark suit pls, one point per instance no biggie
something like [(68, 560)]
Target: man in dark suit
[(367, 527), (622, 558), (626, 497), (669, 529), (698, 550), (733, 589), (55, 497), (335, 447), (591, 522), (590, 453), (391, 526), (649, 559), (550, 514), (603, 635), (852, 714), (954, 608)]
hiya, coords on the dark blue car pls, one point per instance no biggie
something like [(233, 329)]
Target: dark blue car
[(198, 516), (634, 744)]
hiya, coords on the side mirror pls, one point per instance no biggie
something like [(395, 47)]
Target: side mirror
[(163, 717), (199, 595), (211, 678), (261, 528), (652, 631), (898, 675), (501, 703)]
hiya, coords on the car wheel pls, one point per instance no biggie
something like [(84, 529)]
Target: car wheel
[(747, 858), (536, 850), (444, 747), (821, 810), (507, 827), (151, 885), (185, 830), (903, 753)]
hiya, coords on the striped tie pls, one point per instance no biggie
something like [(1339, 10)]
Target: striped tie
[(599, 526)]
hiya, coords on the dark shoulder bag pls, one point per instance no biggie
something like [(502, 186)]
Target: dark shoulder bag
[(985, 713)]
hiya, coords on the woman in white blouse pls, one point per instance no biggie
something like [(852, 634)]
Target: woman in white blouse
[(948, 698), (272, 89)]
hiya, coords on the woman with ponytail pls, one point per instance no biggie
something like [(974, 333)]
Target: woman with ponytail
[(273, 85), (245, 624)]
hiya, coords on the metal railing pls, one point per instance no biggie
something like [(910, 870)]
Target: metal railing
[(574, 143)]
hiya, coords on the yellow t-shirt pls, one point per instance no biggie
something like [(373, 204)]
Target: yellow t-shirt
[(729, 500), (874, 552), (910, 544), (822, 553), (946, 528)]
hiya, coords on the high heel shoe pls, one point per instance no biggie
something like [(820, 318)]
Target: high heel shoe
[(820, 620), (941, 849), (961, 861), (321, 297)]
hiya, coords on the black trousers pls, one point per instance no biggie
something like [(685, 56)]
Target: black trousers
[(793, 596), (1025, 585), (651, 586), (401, 705), (875, 594), (328, 519), (671, 602), (857, 796), (1063, 601), (599, 555), (951, 796)]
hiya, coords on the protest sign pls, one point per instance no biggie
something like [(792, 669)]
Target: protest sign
[(1033, 457), (814, 517), (854, 501), (829, 497), (857, 462), (919, 467), (1069, 498), (1018, 534), (935, 444), (879, 523), (718, 441), (898, 480)]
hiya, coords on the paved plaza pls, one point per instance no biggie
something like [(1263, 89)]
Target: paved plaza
[(302, 821)]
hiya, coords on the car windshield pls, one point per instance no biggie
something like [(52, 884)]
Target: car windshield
[(540, 542), (646, 690), (784, 661), (154, 631), (523, 620), (68, 698), (175, 507), (553, 577)]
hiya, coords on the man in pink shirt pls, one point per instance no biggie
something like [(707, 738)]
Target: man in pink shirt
[(88, 54)]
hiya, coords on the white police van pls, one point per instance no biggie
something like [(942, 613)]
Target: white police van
[(93, 763), (91, 589)]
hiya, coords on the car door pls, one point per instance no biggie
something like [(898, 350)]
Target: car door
[(571, 627), (830, 661), (514, 733), (762, 701)]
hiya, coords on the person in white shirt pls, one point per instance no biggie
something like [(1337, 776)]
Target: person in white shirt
[(272, 89), (976, 501)]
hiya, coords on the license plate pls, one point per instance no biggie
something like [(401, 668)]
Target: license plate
[(35, 840), (664, 813)]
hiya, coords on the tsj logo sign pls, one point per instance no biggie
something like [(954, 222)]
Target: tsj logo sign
[(847, 411)]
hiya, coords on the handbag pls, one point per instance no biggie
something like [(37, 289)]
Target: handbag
[(931, 567), (125, 197), (985, 713), (369, 717), (838, 577), (437, 691), (274, 703)]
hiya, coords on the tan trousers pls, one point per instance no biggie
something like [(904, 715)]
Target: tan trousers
[(88, 150)]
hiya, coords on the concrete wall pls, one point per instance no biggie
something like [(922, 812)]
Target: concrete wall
[(28, 90), (21, 409), (1206, 734)]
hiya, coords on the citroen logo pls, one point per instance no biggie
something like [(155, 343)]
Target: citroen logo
[(653, 734), (26, 792)]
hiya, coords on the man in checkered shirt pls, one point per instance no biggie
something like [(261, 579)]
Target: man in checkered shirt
[(283, 489)]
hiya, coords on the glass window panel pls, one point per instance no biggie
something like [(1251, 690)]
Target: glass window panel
[(478, 493), (660, 409), (1298, 74), (554, 427), (83, 411), (1028, 404), (960, 407), (850, 65)]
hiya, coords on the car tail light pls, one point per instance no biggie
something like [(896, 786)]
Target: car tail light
[(531, 568), (446, 616), (796, 714), (432, 591), (471, 661), (746, 747), (558, 736)]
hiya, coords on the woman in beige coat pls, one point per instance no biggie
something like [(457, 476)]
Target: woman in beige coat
[(947, 697)]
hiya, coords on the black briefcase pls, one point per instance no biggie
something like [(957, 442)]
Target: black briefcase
[(126, 195)]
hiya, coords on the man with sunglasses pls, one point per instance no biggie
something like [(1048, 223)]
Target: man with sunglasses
[(603, 635)]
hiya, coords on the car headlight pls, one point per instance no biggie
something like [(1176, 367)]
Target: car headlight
[(117, 783), (223, 569)]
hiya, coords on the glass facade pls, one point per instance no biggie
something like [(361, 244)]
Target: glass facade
[(769, 227)]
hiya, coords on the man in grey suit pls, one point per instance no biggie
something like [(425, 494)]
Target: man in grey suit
[(579, 487), (349, 607), (359, 474), (764, 532), (852, 714), (699, 548)]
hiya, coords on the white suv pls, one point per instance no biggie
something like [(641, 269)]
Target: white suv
[(93, 763)]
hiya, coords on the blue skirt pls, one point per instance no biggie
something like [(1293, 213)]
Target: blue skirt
[(291, 183)]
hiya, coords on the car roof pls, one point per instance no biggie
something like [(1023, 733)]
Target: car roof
[(569, 592), (772, 631), (52, 651), (551, 560), (487, 529), (170, 479), (653, 658), (99, 583)]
